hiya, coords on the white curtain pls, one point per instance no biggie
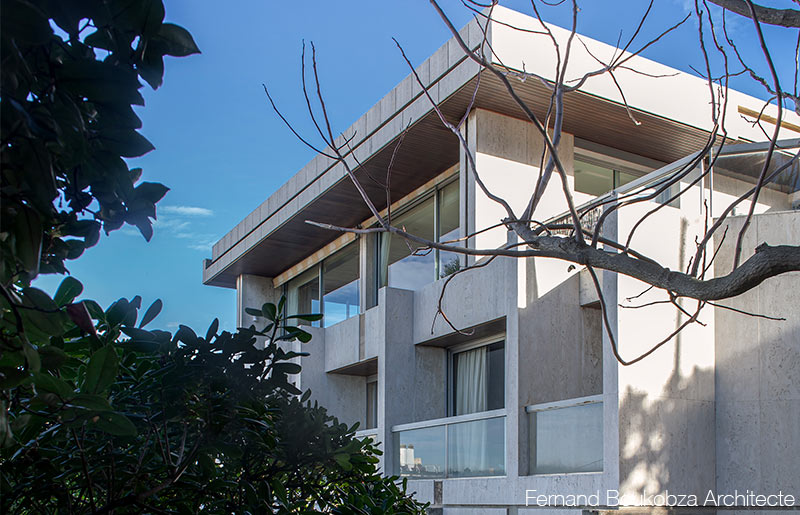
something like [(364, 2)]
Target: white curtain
[(471, 381), (468, 453)]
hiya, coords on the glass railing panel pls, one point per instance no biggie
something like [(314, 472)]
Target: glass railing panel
[(421, 452), (477, 448), (567, 440)]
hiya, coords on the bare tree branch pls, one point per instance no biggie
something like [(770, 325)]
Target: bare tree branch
[(769, 15)]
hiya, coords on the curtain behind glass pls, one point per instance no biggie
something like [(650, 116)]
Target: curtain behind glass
[(469, 440), (470, 381)]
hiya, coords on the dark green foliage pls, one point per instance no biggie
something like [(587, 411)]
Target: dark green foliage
[(185, 424), (67, 122), (97, 414)]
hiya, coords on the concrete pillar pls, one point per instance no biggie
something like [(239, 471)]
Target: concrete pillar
[(252, 291), (396, 358)]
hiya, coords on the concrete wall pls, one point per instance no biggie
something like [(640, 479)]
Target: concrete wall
[(560, 351), (471, 298), (508, 154), (666, 401), (758, 370), (252, 291)]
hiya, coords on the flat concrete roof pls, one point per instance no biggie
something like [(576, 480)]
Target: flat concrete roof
[(672, 109)]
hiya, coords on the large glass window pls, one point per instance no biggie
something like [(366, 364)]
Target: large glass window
[(597, 179), (400, 264), (302, 294), (340, 285), (478, 379), (448, 262), (337, 286)]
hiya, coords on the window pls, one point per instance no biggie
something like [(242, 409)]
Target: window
[(595, 178), (340, 285), (302, 294), (477, 379), (372, 404), (435, 218), (448, 225), (337, 286)]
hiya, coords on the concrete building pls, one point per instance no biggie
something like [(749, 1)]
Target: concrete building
[(533, 402)]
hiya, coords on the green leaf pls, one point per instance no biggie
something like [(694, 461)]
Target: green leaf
[(115, 424), (67, 291), (138, 334), (28, 239), (253, 312), (32, 357), (152, 68), (52, 384), (151, 191), (269, 311), (91, 401), (212, 329), (151, 313), (146, 346), (101, 38), (287, 368), (343, 460), (176, 40), (23, 21), (11, 377), (310, 317), (125, 142), (94, 309), (101, 81), (185, 334), (39, 299), (52, 357), (102, 370)]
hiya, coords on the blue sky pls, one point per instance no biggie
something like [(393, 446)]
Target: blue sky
[(222, 150)]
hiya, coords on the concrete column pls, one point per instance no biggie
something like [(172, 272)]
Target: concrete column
[(466, 186), (396, 358), (508, 153), (252, 291)]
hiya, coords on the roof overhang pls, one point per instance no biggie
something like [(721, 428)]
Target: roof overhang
[(275, 236)]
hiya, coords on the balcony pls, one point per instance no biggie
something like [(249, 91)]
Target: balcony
[(566, 436), (471, 445)]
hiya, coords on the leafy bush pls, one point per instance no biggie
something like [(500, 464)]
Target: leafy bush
[(98, 414), (125, 419)]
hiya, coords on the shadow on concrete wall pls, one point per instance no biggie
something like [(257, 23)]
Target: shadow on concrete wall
[(667, 442)]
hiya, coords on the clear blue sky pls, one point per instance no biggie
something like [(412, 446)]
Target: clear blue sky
[(222, 150)]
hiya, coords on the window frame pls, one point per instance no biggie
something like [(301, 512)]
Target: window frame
[(433, 195), (371, 380), (320, 271), (464, 347)]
